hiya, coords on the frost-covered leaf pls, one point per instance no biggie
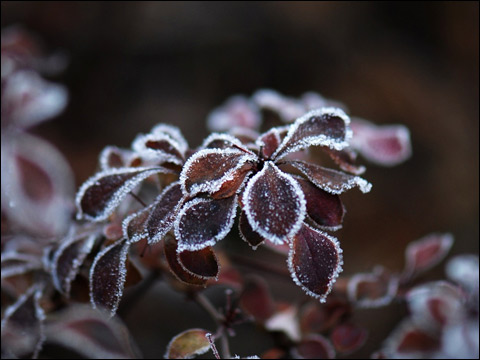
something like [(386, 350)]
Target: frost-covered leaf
[(221, 141), (68, 258), (171, 254), (158, 147), (314, 347), (22, 325), (202, 263), (107, 276), (15, 263), (174, 133), (348, 337), (207, 170), (288, 109), (333, 181), (113, 157), (251, 237), (101, 194), (421, 255), (322, 127), (409, 342), (269, 142), (286, 321), (133, 226), (463, 269), (274, 204), (386, 145), (27, 99), (256, 299), (202, 222), (323, 208), (435, 305), (245, 135), (36, 185), (163, 213), (346, 160), (238, 111), (371, 290), (315, 261), (187, 344), (91, 333)]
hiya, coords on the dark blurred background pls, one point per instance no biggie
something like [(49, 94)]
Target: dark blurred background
[(132, 65)]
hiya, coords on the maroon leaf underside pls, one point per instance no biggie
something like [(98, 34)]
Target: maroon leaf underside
[(162, 215), (203, 222), (107, 276), (274, 204), (256, 299), (270, 142), (315, 261), (164, 146), (170, 248), (323, 208), (246, 232), (202, 263), (230, 187)]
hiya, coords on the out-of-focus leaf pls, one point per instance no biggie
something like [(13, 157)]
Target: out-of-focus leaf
[(238, 112), (463, 269), (90, 333), (14, 263), (348, 337), (188, 344), (256, 299), (314, 347), (286, 321), (22, 325)]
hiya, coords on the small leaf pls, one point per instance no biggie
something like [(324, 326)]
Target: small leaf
[(274, 204), (68, 258), (221, 141), (238, 111), (332, 181), (314, 347), (22, 325), (163, 213), (247, 234), (101, 194), (202, 222), (113, 157), (425, 253), (346, 160), (174, 133), (91, 333), (159, 147), (386, 145), (315, 261), (269, 142), (171, 254), (322, 127), (133, 226), (256, 299), (207, 170), (107, 276), (348, 337), (188, 344), (202, 263)]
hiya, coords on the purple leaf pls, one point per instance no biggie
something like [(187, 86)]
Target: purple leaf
[(91, 333), (315, 261), (221, 141), (22, 325), (322, 127), (202, 222), (247, 234), (269, 142), (107, 276), (202, 263), (174, 133), (274, 204), (159, 148), (332, 181), (101, 194), (133, 226), (256, 299), (114, 157), (163, 213), (187, 344)]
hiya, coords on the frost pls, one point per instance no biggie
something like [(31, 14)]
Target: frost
[(208, 169), (269, 142), (321, 127), (113, 157), (107, 276), (158, 147), (463, 269), (68, 258), (308, 261), (103, 192), (203, 222), (287, 108), (132, 223), (247, 234), (238, 111), (14, 263), (274, 204), (221, 141), (174, 133), (332, 181)]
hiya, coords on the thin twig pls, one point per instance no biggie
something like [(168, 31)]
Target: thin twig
[(203, 301), (282, 272), (137, 198)]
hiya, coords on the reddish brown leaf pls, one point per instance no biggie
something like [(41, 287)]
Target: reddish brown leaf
[(315, 261), (107, 276), (113, 157), (203, 222), (256, 299), (207, 170), (316, 318), (163, 213), (202, 263), (332, 181), (274, 204), (346, 160), (158, 147), (188, 344), (408, 340), (101, 194), (348, 337), (251, 237), (314, 347), (323, 208), (269, 142), (222, 141)]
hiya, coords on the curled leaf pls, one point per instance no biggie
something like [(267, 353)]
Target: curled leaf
[(159, 147), (188, 344), (247, 234), (133, 226), (202, 263)]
